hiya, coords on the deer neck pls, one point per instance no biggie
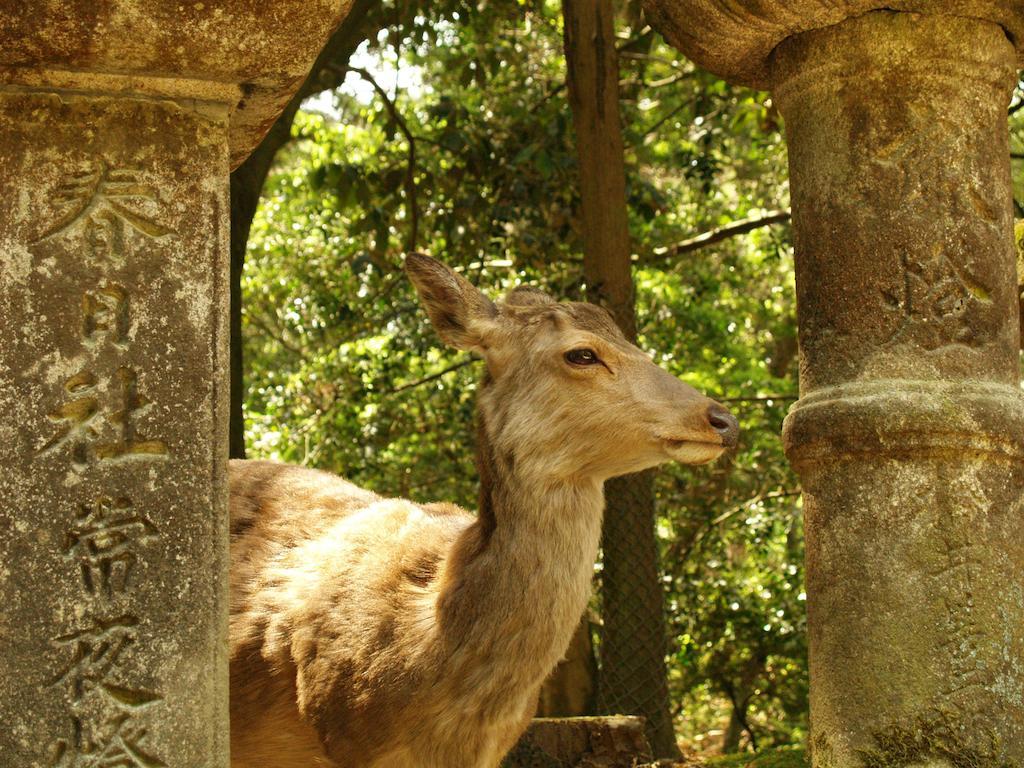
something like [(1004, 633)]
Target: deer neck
[(517, 581)]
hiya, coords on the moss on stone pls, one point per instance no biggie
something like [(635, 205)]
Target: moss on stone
[(940, 739), (780, 757)]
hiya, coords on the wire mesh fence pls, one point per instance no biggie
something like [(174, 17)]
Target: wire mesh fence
[(632, 678)]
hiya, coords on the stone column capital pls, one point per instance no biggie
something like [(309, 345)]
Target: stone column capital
[(248, 56), (735, 40)]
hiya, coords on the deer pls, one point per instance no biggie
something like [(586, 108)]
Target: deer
[(373, 632)]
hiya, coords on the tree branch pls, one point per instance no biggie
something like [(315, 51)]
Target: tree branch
[(276, 334), (648, 57), (707, 526), (637, 40), (717, 235), (664, 119), (740, 712), (433, 376), (326, 73), (750, 502), (758, 399), (412, 205), (671, 80)]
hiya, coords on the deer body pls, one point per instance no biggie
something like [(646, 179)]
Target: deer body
[(369, 632), (437, 652)]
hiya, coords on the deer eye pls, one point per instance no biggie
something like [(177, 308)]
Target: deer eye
[(582, 357)]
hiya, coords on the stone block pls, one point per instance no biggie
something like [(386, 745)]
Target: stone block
[(582, 742), (113, 386), (248, 54)]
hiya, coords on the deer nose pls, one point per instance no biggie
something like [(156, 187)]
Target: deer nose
[(724, 423)]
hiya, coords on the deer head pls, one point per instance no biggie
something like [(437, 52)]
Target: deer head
[(565, 392)]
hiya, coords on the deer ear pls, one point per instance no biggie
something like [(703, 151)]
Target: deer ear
[(460, 313)]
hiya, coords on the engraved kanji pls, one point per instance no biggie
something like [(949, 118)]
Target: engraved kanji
[(105, 202), (129, 440), (938, 292), (96, 653), (105, 313), (104, 212), (117, 743), (102, 540), (935, 290), (76, 417), (81, 420)]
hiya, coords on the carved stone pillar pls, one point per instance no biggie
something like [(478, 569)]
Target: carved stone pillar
[(909, 434), (119, 122)]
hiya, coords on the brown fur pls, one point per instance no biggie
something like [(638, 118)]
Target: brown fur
[(370, 632)]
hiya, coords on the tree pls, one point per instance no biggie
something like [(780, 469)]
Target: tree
[(632, 676)]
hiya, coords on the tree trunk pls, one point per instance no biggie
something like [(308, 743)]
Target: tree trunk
[(247, 183), (570, 690), (734, 731), (632, 678), (740, 693)]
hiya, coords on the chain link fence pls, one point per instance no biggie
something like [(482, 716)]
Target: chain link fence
[(633, 678)]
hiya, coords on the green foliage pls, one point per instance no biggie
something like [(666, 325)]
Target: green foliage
[(344, 372)]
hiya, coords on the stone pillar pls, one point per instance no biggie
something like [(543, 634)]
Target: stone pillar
[(909, 434), (118, 128)]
